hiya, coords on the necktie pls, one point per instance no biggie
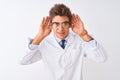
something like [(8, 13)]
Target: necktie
[(63, 44)]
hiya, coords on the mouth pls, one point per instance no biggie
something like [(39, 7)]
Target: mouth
[(61, 33)]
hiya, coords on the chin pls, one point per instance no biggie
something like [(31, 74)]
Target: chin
[(61, 37)]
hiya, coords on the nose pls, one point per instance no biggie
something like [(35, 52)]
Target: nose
[(61, 28)]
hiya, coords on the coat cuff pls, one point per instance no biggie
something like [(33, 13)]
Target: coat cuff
[(31, 46), (91, 43)]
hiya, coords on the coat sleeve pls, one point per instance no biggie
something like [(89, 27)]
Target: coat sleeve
[(95, 51), (33, 54)]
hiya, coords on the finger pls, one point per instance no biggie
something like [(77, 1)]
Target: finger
[(43, 20), (42, 23), (78, 18), (73, 22), (47, 19), (73, 18), (49, 24)]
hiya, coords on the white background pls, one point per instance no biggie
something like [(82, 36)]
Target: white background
[(20, 19)]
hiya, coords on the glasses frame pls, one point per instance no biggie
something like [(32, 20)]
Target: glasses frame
[(63, 24)]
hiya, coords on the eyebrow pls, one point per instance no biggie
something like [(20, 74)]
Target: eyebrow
[(61, 22), (55, 22)]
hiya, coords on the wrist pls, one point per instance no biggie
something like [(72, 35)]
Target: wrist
[(87, 38), (84, 32), (38, 38)]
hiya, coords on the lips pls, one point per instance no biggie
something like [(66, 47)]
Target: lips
[(61, 33)]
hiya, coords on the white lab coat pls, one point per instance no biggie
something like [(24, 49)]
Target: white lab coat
[(65, 64)]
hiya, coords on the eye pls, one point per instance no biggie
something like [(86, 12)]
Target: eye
[(55, 24), (65, 23)]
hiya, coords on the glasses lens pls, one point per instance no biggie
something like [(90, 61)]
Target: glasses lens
[(56, 24), (66, 23)]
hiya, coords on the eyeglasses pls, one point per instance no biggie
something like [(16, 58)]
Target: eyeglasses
[(63, 24)]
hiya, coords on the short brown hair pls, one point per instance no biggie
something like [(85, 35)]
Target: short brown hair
[(61, 10)]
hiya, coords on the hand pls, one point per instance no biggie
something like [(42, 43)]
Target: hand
[(78, 27), (45, 27), (77, 24)]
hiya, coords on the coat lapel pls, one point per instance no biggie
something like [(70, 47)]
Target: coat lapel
[(70, 40), (52, 41)]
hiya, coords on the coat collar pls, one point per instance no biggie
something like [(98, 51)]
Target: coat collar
[(51, 39)]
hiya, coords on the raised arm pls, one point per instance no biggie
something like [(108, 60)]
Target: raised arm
[(34, 54)]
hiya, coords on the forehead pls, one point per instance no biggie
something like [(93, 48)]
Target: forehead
[(60, 19)]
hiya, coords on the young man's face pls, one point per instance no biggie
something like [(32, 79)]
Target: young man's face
[(60, 26)]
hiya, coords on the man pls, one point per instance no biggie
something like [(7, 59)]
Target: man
[(61, 48)]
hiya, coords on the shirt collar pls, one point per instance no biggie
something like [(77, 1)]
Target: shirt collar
[(58, 40)]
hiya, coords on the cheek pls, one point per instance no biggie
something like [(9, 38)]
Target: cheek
[(67, 29), (54, 29)]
